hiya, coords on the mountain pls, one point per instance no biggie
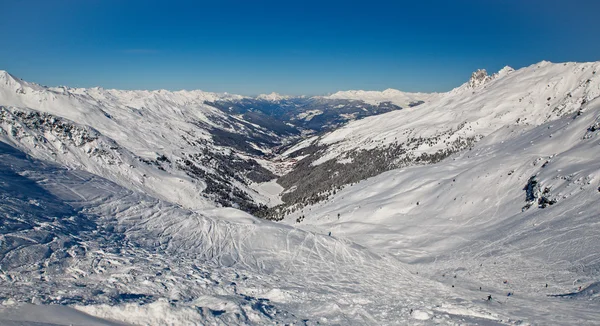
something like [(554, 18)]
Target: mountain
[(194, 148), (273, 97), (478, 206), (433, 131), (168, 144), (307, 115), (515, 214), (393, 96), (72, 238)]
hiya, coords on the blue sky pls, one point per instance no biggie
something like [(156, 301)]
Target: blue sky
[(292, 47)]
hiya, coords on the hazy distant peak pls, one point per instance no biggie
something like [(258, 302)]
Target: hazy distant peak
[(273, 97), (375, 97)]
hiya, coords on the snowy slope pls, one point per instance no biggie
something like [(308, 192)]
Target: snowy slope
[(430, 132), (88, 243), (516, 212), (528, 96), (206, 152)]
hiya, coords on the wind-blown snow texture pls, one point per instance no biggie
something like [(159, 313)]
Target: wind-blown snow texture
[(515, 211)]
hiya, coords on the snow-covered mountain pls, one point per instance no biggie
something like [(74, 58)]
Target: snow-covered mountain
[(193, 148), (168, 144), (72, 238), (393, 96), (451, 122), (111, 204), (515, 216), (273, 97), (303, 114)]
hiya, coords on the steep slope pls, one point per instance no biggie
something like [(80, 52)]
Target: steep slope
[(428, 133)]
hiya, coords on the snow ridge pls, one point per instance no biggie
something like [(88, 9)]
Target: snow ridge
[(394, 96)]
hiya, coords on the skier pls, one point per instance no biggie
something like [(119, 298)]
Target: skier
[(489, 297), (329, 233)]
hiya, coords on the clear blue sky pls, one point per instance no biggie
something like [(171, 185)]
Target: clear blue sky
[(292, 47)]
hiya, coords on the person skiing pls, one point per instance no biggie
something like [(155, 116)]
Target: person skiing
[(489, 297)]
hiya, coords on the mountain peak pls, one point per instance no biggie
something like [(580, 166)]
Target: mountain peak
[(9, 81), (4, 75), (273, 97), (505, 70), (478, 78)]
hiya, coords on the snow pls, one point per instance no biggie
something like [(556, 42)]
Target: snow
[(13, 314), (198, 267), (116, 239), (395, 96), (271, 190), (131, 125), (464, 217), (273, 97), (309, 114), (529, 96)]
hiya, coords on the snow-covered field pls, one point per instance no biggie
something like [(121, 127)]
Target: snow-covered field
[(515, 216)]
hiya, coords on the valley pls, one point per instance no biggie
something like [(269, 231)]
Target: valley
[(360, 207)]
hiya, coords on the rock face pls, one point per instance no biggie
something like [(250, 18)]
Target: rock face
[(479, 78)]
